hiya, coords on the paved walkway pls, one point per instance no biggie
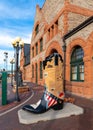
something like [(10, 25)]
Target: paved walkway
[(10, 121), (11, 100)]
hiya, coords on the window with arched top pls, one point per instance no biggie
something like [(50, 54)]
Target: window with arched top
[(41, 44), (32, 52), (77, 64), (41, 70), (37, 29), (32, 71), (36, 48)]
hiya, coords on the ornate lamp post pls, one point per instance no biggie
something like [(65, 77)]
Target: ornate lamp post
[(12, 62), (17, 44), (4, 63)]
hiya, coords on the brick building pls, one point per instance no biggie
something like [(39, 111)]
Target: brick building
[(55, 19)]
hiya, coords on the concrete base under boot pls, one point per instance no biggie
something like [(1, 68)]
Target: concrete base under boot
[(69, 109)]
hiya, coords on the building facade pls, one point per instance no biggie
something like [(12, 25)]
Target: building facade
[(55, 19)]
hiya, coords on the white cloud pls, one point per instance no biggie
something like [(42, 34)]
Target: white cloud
[(27, 39), (2, 57), (6, 46), (5, 41), (17, 12)]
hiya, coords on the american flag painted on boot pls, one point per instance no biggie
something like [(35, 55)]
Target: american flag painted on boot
[(51, 101)]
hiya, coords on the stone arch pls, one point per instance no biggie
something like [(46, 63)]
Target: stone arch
[(53, 47), (75, 42)]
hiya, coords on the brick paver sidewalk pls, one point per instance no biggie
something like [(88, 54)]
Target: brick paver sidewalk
[(11, 101)]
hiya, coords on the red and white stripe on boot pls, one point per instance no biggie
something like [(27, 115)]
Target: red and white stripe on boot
[(51, 100)]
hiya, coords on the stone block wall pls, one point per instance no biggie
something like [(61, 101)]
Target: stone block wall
[(51, 8)]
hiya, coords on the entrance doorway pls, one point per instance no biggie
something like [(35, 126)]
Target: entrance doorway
[(53, 51)]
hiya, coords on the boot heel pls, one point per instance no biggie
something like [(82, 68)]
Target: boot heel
[(58, 106)]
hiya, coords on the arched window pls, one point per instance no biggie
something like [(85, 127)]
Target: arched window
[(32, 71), (77, 64), (36, 72), (41, 44), (41, 70), (32, 52), (36, 48), (37, 29)]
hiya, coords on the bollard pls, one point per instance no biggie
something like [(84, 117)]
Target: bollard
[(4, 88)]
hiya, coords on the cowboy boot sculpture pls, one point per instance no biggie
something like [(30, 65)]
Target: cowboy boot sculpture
[(53, 95)]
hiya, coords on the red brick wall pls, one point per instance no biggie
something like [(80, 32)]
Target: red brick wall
[(81, 88)]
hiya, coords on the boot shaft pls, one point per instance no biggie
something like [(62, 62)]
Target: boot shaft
[(53, 74)]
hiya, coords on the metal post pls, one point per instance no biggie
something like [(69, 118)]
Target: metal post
[(4, 88), (17, 62), (12, 74)]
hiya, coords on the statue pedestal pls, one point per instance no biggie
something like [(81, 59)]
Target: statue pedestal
[(69, 109)]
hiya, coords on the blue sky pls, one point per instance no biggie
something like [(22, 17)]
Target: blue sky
[(16, 19)]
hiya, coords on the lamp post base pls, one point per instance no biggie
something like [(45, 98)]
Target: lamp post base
[(17, 99)]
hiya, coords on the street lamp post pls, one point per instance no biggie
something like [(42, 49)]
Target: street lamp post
[(12, 62), (17, 44), (4, 63)]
